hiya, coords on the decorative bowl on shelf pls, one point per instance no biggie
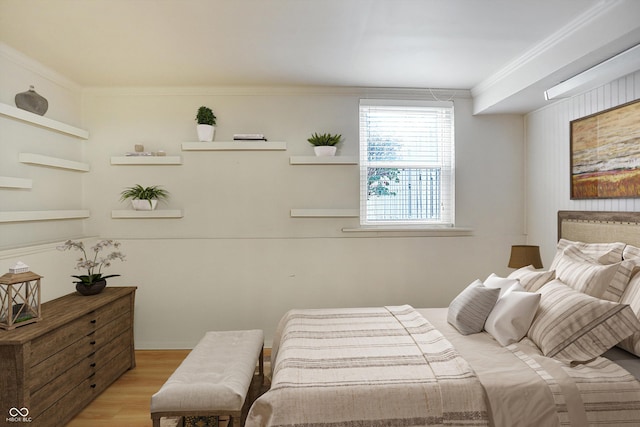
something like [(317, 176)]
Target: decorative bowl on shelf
[(32, 102)]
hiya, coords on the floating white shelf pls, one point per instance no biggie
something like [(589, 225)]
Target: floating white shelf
[(26, 116), (325, 213), (158, 213), (146, 160), (323, 160), (54, 162), (23, 216), (234, 145), (11, 182)]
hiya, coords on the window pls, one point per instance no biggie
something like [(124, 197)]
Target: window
[(406, 163)]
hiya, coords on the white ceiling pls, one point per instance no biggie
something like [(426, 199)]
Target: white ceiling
[(450, 44)]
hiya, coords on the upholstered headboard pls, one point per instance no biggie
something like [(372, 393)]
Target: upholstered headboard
[(599, 227)]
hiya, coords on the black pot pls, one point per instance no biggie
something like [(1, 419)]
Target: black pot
[(92, 289)]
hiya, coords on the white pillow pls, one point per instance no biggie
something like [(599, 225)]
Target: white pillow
[(502, 283), (512, 315), (469, 310)]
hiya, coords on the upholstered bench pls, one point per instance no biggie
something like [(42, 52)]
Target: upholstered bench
[(213, 379)]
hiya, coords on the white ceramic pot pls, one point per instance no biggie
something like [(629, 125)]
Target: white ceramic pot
[(325, 150), (205, 132), (144, 205)]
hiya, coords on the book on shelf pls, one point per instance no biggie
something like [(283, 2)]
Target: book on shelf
[(139, 154), (249, 137)]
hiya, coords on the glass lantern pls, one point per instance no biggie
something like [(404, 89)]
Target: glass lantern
[(19, 299)]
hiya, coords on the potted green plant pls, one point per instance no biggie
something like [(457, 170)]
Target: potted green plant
[(206, 124), (144, 198), (324, 144)]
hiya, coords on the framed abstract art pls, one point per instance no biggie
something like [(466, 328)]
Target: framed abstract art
[(605, 154)]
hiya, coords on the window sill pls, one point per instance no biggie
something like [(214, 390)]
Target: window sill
[(413, 230)]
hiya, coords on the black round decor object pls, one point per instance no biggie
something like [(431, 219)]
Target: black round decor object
[(32, 101), (93, 289)]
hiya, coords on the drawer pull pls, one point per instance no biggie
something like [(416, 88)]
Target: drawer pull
[(93, 385), (94, 321), (93, 342), (93, 365)]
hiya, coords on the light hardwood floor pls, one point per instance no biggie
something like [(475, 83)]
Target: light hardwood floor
[(126, 402)]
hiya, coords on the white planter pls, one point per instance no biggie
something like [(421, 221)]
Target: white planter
[(325, 150), (144, 205), (205, 133)]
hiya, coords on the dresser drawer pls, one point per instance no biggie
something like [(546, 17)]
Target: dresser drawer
[(111, 330), (57, 340), (84, 347), (105, 354), (67, 405), (61, 385), (111, 370), (58, 364), (87, 367), (106, 314)]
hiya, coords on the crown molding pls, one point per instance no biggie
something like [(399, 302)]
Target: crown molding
[(417, 93), (36, 67), (584, 20)]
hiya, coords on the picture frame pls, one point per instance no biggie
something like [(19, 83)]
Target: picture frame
[(605, 154)]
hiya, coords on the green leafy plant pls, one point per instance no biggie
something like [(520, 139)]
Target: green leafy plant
[(205, 116), (93, 265), (324, 139), (155, 192)]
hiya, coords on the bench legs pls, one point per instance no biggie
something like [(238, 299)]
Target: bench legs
[(233, 419)]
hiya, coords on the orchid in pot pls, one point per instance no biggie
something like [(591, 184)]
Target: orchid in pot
[(93, 282)]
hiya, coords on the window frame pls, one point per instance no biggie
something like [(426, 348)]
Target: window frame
[(447, 170)]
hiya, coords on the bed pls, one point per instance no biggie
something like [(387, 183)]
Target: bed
[(564, 354)]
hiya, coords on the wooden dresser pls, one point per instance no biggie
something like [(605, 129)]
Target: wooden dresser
[(56, 366)]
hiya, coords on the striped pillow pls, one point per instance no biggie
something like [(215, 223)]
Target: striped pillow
[(531, 279), (632, 297), (469, 310), (602, 253), (575, 327), (582, 273), (631, 252)]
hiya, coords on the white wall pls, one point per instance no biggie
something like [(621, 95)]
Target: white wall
[(236, 259), (53, 189), (547, 160)]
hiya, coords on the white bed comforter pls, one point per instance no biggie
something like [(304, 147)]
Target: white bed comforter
[(367, 367), (395, 366)]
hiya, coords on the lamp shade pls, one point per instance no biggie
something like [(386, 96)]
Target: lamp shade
[(524, 255)]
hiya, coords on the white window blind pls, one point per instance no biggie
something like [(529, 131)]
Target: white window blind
[(406, 162)]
